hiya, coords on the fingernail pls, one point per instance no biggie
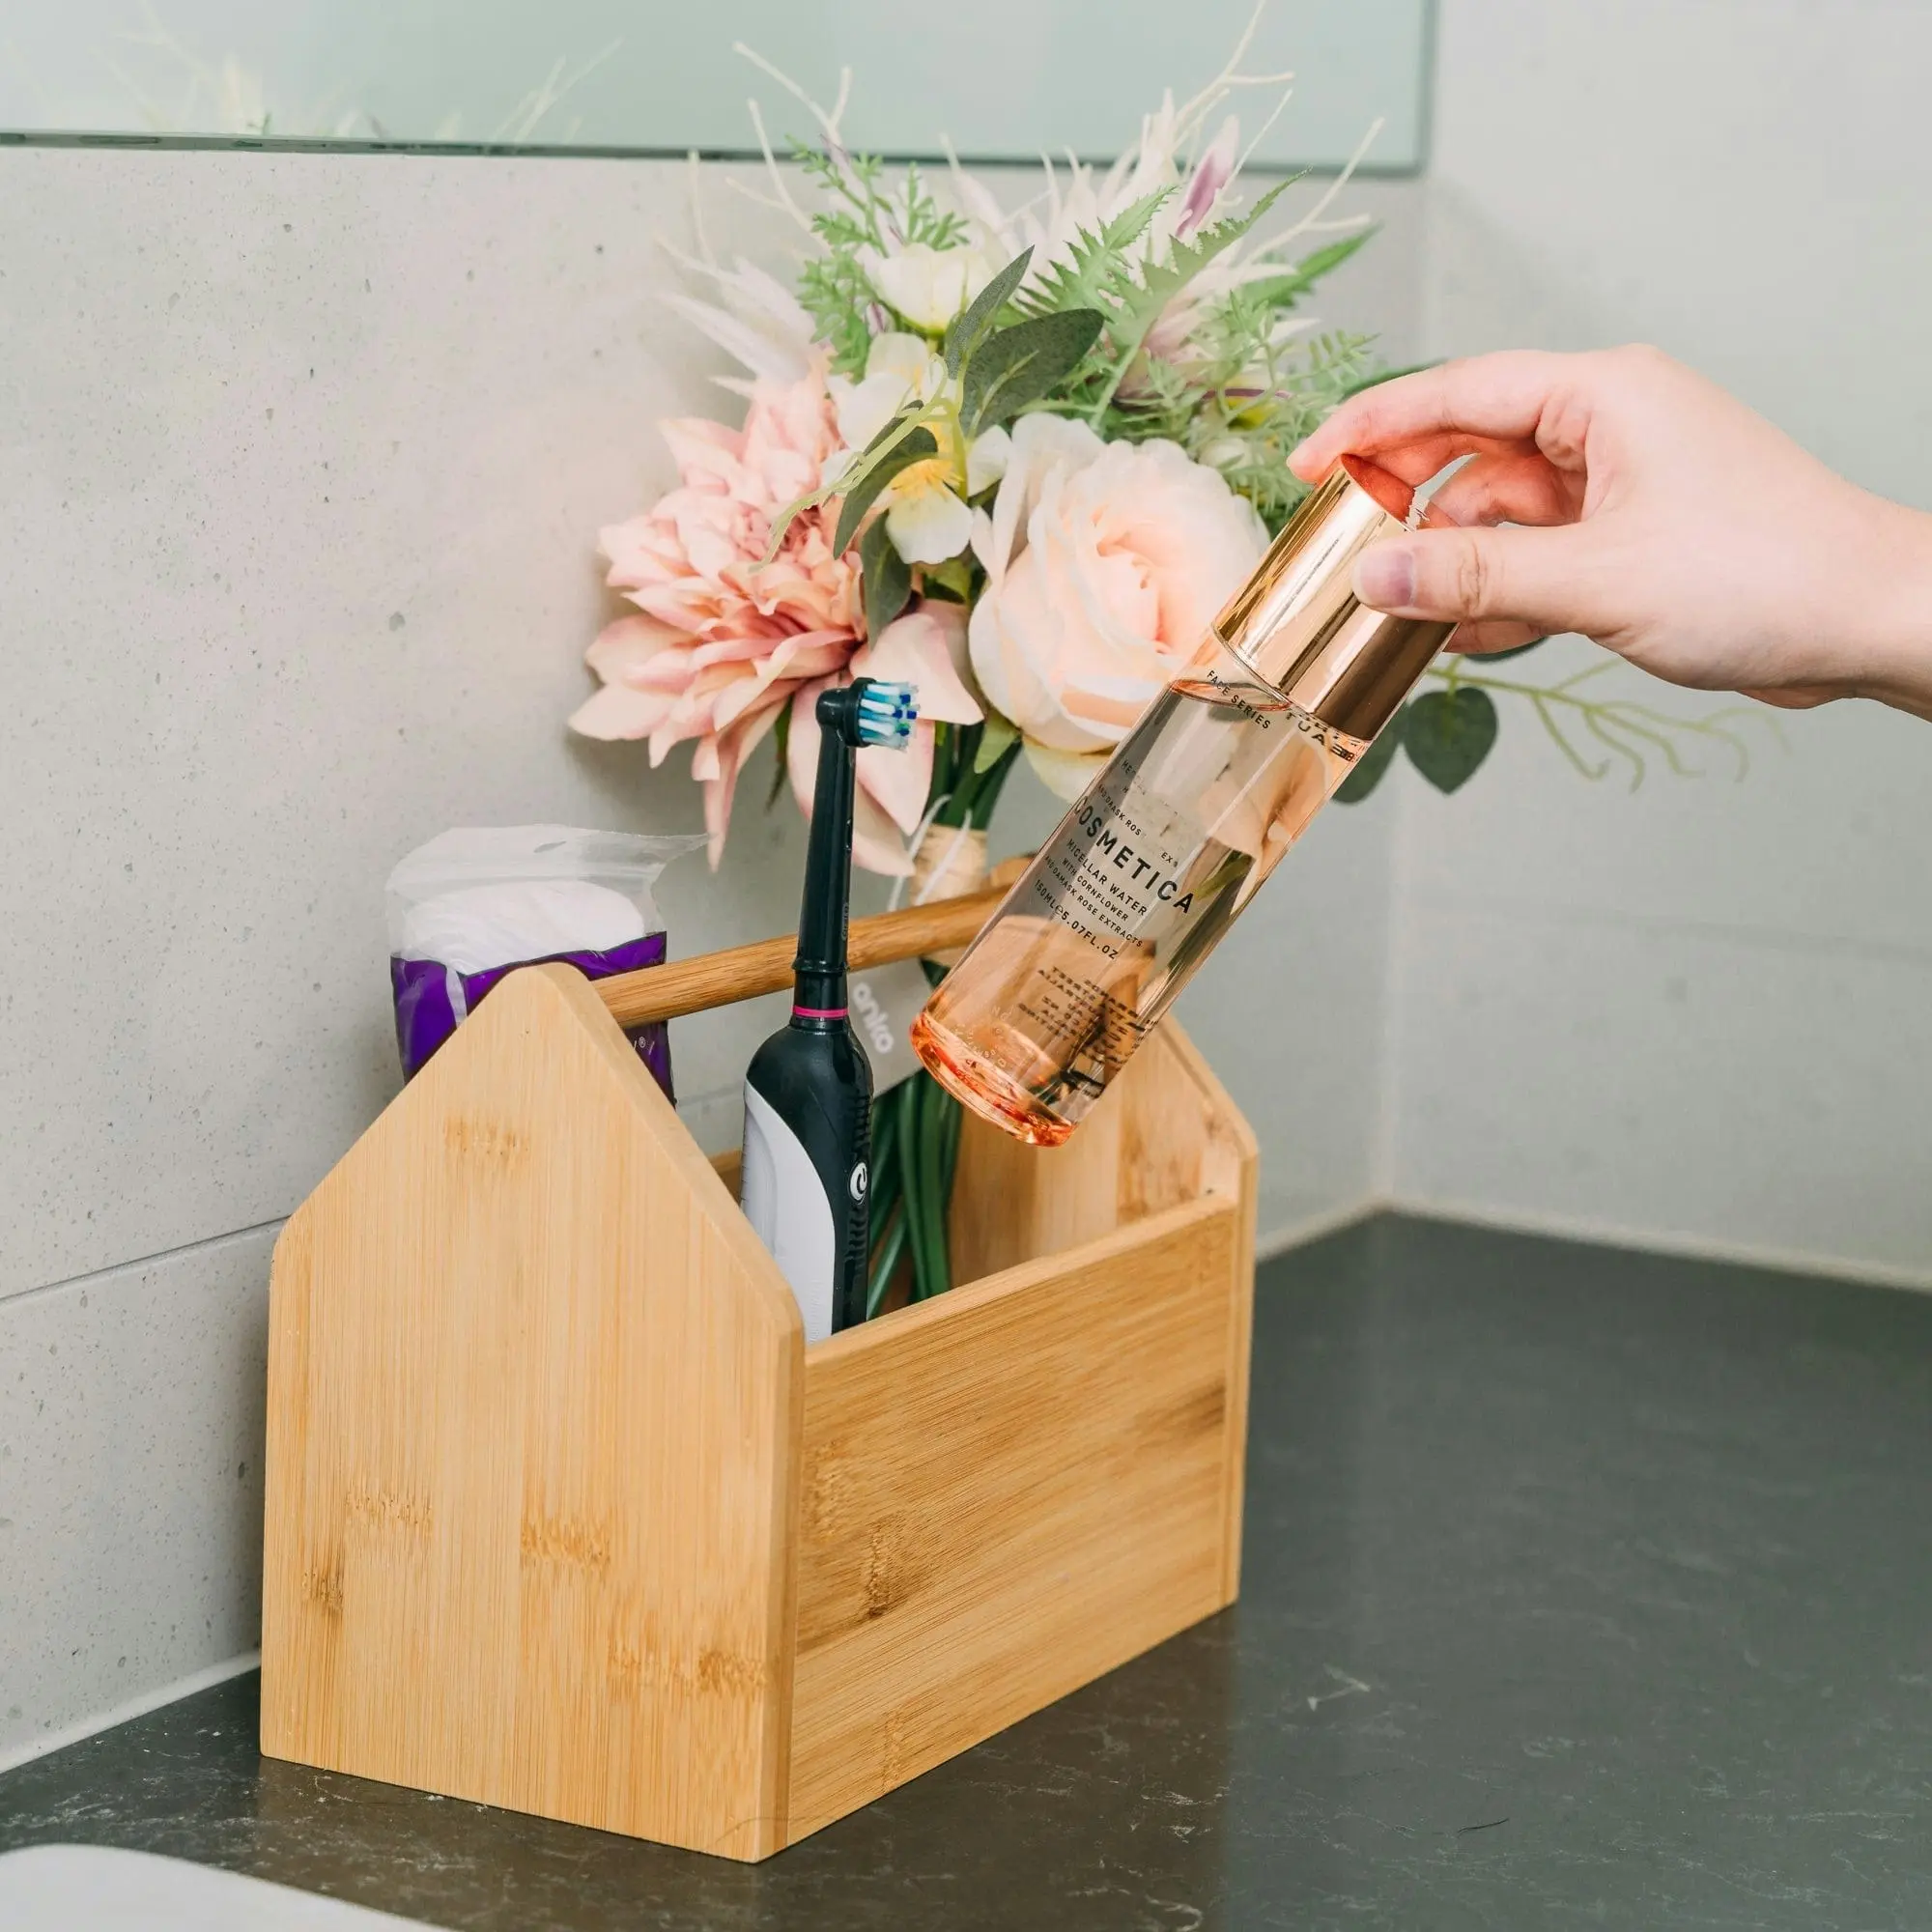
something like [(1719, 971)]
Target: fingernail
[(1385, 576)]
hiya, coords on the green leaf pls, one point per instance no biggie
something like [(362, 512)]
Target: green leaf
[(923, 220), (1449, 733), (784, 519), (950, 582), (811, 498), (914, 446), (911, 1110), (928, 1182), (885, 577), (1161, 281), (1285, 289), (987, 785), (782, 741), (996, 734), (826, 491), (1096, 271), (1018, 365), (1373, 762), (963, 333), (835, 293), (885, 1261), (908, 413)]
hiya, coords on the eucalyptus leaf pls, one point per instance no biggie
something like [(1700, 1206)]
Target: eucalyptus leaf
[(836, 483), (907, 412), (796, 509), (885, 577), (1449, 733), (1370, 767), (963, 333), (1018, 365), (995, 735), (914, 446)]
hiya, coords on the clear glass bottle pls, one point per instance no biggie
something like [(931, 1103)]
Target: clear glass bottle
[(1176, 834)]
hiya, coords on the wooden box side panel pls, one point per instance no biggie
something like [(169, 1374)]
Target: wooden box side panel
[(1150, 1144), (1231, 1166), (1165, 1132), (1008, 1491), (535, 1394)]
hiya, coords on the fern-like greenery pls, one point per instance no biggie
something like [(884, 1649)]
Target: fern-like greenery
[(1237, 384), (1246, 386), (1097, 272)]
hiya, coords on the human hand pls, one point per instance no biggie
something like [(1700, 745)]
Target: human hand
[(1662, 518)]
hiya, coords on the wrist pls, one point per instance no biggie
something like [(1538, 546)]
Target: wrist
[(1892, 643)]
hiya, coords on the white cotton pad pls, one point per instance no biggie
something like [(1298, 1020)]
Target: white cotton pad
[(479, 927)]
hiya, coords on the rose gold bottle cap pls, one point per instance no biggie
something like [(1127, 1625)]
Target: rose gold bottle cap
[(1297, 625)]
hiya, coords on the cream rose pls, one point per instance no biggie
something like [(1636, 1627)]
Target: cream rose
[(1105, 563)]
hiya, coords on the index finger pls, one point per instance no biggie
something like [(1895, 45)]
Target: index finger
[(1500, 397)]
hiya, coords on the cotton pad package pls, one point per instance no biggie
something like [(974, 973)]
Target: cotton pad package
[(480, 901)]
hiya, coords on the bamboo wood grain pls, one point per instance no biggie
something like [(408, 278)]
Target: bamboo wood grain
[(563, 1517), (1230, 1165), (1009, 1491), (534, 1395), (717, 978)]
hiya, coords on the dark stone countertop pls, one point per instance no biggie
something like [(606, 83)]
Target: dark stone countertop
[(1583, 1587)]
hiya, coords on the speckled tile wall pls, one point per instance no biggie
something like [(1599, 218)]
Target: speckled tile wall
[(1697, 1014), (130, 1480), (300, 462)]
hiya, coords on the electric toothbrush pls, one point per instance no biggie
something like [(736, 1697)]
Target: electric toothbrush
[(809, 1089)]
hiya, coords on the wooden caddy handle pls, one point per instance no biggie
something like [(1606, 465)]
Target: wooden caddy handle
[(718, 978)]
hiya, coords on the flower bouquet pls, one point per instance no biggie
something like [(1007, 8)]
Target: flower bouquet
[(1019, 458)]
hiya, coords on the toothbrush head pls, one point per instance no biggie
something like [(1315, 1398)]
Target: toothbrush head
[(884, 714)]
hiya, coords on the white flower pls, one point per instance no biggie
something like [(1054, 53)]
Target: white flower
[(899, 369), (986, 460), (930, 286), (926, 516)]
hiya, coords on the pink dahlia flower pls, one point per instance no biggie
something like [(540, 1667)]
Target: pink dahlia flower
[(721, 644), (927, 648)]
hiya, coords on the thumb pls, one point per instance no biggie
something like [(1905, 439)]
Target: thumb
[(1528, 575)]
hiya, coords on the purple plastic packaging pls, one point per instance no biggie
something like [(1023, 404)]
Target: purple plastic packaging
[(477, 903), (428, 993)]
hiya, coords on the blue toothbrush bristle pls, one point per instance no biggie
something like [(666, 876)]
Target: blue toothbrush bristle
[(887, 714)]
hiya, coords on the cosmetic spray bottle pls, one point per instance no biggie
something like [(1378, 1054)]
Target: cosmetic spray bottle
[(1174, 836), (809, 1089)]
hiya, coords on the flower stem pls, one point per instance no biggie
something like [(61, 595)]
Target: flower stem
[(930, 1099), (1623, 726), (956, 443), (909, 1109), (970, 795), (885, 1263)]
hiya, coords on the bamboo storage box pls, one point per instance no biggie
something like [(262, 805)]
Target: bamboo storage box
[(563, 1515)]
